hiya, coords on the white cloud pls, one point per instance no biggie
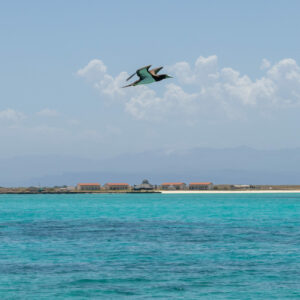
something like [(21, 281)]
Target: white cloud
[(93, 70), (203, 71), (174, 102), (265, 64), (285, 76), (11, 115), (111, 86), (96, 72), (202, 88), (47, 112)]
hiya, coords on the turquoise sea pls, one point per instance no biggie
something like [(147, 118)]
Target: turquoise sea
[(144, 246)]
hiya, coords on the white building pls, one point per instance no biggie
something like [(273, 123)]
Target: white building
[(173, 186), (117, 186), (201, 186)]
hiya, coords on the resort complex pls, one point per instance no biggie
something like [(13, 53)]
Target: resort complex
[(144, 186)]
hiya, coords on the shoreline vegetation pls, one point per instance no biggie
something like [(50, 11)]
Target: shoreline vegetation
[(218, 189)]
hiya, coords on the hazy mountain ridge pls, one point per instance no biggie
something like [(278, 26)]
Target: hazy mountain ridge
[(230, 165)]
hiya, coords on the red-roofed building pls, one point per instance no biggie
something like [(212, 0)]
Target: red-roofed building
[(173, 186), (201, 186), (117, 186), (88, 187)]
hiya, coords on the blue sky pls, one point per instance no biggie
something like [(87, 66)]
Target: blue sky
[(236, 69)]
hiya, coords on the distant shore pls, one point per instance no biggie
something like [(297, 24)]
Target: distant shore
[(186, 192), (146, 187)]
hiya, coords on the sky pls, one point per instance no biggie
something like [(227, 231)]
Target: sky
[(235, 66)]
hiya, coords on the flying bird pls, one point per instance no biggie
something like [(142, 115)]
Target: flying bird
[(147, 76)]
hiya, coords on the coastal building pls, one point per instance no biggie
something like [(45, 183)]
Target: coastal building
[(173, 186), (200, 186), (88, 187), (70, 188), (66, 189), (116, 186), (145, 185)]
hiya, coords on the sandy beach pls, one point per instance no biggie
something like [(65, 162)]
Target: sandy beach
[(233, 192)]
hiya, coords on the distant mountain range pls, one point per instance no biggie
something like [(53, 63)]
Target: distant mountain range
[(241, 165)]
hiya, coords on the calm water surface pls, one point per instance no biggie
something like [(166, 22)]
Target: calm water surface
[(244, 246)]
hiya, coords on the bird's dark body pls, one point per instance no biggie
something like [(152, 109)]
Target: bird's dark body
[(159, 77), (147, 76)]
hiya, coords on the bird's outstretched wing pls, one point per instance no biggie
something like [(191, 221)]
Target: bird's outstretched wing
[(143, 73), (130, 76), (155, 71)]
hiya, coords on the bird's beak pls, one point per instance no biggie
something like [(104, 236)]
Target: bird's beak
[(169, 76)]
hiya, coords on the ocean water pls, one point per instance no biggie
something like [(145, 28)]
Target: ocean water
[(144, 246)]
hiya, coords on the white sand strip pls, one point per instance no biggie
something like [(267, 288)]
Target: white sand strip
[(233, 192)]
